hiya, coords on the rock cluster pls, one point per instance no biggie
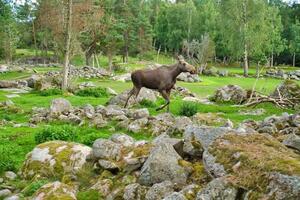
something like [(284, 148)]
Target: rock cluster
[(188, 77), (230, 93), (212, 71), (134, 120), (83, 72), (281, 74)]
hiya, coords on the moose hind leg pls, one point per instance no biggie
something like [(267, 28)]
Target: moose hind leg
[(132, 91), (166, 96)]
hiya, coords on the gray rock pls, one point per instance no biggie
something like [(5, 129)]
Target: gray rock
[(14, 197), (134, 191), (10, 175), (175, 196), (233, 93), (60, 105), (218, 189), (283, 187), (181, 123), (113, 110), (163, 164), (160, 190), (122, 139), (5, 193), (106, 149), (8, 84), (98, 121), (144, 94), (89, 111), (198, 137), (86, 85), (213, 168), (109, 165), (176, 143), (292, 141), (139, 113), (188, 77), (137, 125)]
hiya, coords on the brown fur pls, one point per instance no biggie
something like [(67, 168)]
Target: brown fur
[(162, 79)]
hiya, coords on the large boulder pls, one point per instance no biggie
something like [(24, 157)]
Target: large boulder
[(123, 78), (55, 190), (59, 106), (160, 190), (134, 191), (163, 164), (144, 94), (55, 158), (218, 189), (4, 68), (107, 149), (230, 93), (198, 138)]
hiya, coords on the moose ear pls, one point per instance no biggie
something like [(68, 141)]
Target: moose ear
[(180, 58)]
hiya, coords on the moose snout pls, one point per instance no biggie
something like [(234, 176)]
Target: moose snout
[(193, 70)]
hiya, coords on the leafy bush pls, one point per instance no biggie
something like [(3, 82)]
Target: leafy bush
[(147, 103), (93, 92), (6, 161), (33, 187), (64, 132), (188, 109), (51, 92)]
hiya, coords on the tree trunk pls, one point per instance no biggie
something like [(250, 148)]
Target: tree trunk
[(272, 59), (34, 38), (246, 67), (294, 59), (67, 42), (110, 59)]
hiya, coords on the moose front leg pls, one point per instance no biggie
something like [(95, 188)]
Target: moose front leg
[(166, 96)]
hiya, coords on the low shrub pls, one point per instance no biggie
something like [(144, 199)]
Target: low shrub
[(188, 109), (64, 132), (147, 103), (33, 187), (51, 92), (6, 161), (149, 55), (93, 92)]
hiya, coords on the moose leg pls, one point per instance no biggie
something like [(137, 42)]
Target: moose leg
[(168, 93), (165, 95), (129, 95), (137, 91)]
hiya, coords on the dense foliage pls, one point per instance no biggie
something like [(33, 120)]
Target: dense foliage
[(256, 31)]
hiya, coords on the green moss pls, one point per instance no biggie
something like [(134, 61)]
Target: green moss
[(142, 150), (30, 189), (257, 155)]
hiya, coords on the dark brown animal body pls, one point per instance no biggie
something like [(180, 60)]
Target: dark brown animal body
[(161, 79)]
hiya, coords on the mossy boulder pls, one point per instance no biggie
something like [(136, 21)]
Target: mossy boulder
[(251, 159), (55, 159), (55, 191), (287, 89)]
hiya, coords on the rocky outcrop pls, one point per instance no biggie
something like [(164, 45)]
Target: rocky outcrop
[(159, 190), (55, 158)]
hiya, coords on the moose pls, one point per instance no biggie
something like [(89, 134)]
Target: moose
[(161, 79)]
